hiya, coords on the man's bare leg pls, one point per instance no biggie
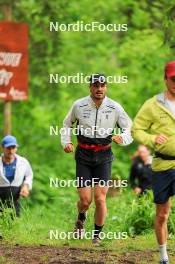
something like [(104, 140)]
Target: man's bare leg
[(162, 213), (85, 199), (100, 208)]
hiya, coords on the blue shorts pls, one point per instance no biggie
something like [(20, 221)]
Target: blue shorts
[(163, 185)]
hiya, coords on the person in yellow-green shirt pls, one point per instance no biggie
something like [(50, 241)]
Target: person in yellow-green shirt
[(154, 126)]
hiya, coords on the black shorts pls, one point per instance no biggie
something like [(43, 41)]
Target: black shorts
[(163, 185), (9, 197), (89, 176), (88, 157)]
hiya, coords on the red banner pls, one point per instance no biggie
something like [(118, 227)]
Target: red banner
[(13, 61)]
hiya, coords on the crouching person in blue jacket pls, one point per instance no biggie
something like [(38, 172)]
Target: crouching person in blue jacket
[(15, 175)]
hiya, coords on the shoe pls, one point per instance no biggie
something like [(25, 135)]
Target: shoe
[(96, 240), (79, 229), (164, 262)]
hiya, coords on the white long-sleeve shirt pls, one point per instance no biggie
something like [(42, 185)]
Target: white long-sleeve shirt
[(96, 122), (23, 173)]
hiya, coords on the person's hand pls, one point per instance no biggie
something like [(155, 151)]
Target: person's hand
[(117, 139), (69, 148), (160, 139), (137, 190), (24, 191)]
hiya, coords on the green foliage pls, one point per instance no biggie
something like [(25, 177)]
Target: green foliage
[(126, 213), (141, 216), (7, 216)]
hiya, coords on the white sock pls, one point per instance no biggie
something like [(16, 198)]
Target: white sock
[(163, 252)]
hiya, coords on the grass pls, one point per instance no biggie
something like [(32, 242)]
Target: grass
[(126, 213)]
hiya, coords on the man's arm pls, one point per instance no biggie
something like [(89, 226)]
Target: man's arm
[(133, 178), (142, 124), (125, 123), (66, 130), (28, 180)]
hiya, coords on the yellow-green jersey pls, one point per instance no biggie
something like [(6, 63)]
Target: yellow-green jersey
[(156, 117)]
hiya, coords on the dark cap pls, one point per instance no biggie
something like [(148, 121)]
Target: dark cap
[(97, 77)]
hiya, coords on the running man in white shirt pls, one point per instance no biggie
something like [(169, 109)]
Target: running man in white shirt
[(96, 117)]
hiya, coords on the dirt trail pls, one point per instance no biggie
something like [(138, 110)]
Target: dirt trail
[(66, 255)]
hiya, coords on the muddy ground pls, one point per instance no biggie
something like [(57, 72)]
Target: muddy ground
[(64, 255)]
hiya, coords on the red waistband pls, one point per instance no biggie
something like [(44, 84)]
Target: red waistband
[(94, 147)]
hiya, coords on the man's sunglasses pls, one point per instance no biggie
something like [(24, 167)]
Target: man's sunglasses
[(172, 78), (97, 84)]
